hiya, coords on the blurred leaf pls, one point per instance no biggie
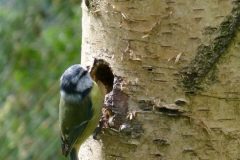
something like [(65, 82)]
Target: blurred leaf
[(39, 39)]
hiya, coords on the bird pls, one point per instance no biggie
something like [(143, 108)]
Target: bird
[(81, 101)]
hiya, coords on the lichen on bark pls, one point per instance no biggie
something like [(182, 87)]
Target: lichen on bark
[(208, 55)]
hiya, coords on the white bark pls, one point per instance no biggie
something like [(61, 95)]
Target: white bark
[(147, 42)]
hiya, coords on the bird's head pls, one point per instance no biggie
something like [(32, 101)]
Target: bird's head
[(75, 81)]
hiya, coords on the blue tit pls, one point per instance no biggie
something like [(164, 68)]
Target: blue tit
[(79, 110)]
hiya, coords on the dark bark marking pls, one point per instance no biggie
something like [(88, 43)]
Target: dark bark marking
[(207, 56)]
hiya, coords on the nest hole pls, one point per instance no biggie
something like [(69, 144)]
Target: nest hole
[(102, 72)]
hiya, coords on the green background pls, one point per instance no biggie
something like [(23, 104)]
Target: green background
[(39, 39)]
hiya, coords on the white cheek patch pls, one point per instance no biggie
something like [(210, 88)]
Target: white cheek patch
[(70, 97), (84, 83)]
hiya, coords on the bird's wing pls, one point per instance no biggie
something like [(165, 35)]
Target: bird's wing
[(70, 138)]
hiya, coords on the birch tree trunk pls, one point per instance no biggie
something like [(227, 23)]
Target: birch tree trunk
[(176, 65)]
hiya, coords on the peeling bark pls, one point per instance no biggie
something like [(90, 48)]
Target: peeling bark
[(146, 44)]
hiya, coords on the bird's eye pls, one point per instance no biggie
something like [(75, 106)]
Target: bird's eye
[(83, 74)]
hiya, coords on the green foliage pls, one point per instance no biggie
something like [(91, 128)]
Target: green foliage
[(39, 39)]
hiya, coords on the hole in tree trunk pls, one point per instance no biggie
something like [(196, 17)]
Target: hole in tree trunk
[(102, 72), (116, 101), (115, 108)]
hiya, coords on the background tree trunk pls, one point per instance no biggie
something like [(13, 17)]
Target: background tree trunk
[(176, 63)]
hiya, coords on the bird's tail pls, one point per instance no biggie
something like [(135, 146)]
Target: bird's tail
[(73, 154)]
